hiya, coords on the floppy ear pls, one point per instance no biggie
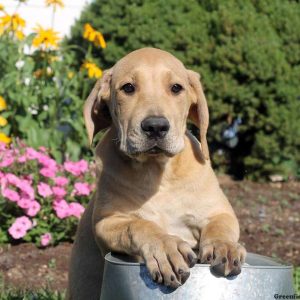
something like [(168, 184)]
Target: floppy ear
[(198, 112), (96, 112)]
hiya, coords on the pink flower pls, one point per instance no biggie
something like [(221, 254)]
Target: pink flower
[(61, 208), (59, 191), (76, 168), (2, 146), (46, 239), (19, 228), (17, 231), (10, 195), (28, 178), (3, 182), (47, 162), (72, 168), (24, 186), (83, 165), (82, 188), (24, 203), (48, 172), (44, 189), (6, 162), (42, 148), (76, 209), (12, 179), (24, 221), (61, 181), (33, 209), (32, 154), (22, 159)]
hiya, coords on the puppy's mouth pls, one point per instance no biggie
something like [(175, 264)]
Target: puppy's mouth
[(155, 150), (152, 150)]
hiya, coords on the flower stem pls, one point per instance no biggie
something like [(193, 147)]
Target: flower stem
[(53, 17), (85, 85)]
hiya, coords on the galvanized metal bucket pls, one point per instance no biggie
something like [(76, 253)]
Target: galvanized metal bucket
[(261, 278)]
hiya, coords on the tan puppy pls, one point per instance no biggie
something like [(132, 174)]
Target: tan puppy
[(157, 196)]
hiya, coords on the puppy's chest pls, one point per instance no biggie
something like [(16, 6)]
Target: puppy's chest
[(177, 213)]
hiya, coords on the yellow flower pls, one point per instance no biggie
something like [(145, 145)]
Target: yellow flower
[(70, 74), (1, 7), (92, 69), (20, 35), (94, 36), (3, 121), (12, 22), (4, 138), (3, 104), (55, 3), (45, 37)]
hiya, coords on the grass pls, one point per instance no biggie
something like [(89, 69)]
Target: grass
[(28, 295), (297, 279), (13, 294), (7, 293)]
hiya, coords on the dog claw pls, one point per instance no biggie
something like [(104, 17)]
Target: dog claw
[(219, 269), (184, 277), (157, 277), (192, 260)]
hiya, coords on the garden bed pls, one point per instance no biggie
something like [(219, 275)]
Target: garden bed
[(268, 214)]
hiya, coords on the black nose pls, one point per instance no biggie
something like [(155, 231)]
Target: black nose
[(155, 127)]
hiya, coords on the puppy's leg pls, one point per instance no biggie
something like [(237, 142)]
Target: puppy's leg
[(167, 257), (219, 245)]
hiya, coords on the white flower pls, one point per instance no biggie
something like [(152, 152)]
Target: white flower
[(27, 49), (45, 107), (27, 81), (20, 64), (33, 109), (49, 70)]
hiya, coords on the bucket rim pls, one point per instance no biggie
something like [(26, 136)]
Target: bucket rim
[(125, 260)]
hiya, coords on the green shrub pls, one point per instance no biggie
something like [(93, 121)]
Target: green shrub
[(248, 54)]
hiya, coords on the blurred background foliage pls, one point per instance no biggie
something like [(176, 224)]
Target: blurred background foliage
[(43, 86), (248, 55)]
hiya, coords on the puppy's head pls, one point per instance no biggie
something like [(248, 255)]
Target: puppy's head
[(148, 96)]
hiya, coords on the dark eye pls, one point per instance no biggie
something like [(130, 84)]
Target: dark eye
[(176, 88), (128, 88)]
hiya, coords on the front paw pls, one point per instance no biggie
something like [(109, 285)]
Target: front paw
[(168, 260), (224, 257)]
